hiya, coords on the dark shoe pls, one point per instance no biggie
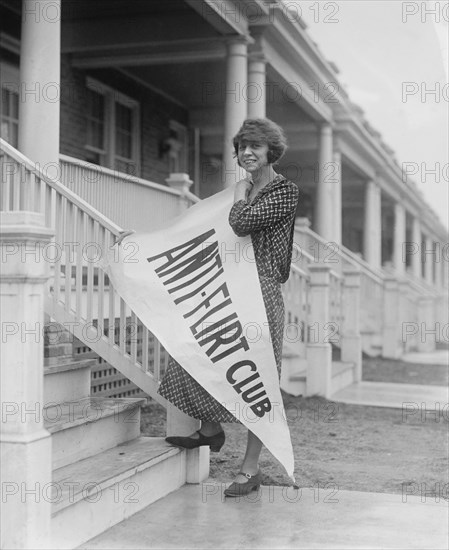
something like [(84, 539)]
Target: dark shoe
[(215, 442), (241, 489)]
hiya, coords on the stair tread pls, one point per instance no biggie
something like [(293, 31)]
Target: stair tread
[(300, 377), (340, 366), (70, 365), (70, 483), (61, 416)]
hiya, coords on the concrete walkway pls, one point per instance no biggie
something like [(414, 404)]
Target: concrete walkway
[(437, 357), (199, 517), (386, 394)]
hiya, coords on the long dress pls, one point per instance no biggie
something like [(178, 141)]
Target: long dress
[(269, 219)]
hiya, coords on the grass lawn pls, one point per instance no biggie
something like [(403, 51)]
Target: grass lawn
[(349, 447)]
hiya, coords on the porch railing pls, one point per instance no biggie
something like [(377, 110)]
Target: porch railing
[(80, 297), (340, 258), (131, 202)]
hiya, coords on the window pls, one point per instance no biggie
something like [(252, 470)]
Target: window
[(9, 107), (112, 133)]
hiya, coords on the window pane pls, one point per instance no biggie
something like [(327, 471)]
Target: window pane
[(15, 105), (123, 131), (14, 141), (123, 144), (4, 130), (5, 102), (123, 117), (95, 119)]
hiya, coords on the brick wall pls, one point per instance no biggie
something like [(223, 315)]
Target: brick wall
[(155, 113)]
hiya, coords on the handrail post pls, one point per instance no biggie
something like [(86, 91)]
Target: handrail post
[(26, 455), (181, 182), (319, 351), (197, 460), (391, 330), (301, 236), (408, 317), (351, 340), (428, 328)]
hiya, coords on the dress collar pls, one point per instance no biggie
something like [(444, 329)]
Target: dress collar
[(277, 179)]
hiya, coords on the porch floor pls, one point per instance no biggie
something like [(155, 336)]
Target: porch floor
[(386, 394), (198, 516)]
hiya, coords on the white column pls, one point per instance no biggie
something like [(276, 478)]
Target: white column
[(40, 59), (337, 197), (372, 236), (428, 260), (235, 106), (323, 223), (399, 239), (256, 89), (437, 264), (25, 443), (416, 244)]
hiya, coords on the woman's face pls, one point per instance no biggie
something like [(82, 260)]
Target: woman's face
[(253, 155)]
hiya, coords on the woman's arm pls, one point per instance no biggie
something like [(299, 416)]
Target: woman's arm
[(273, 207)]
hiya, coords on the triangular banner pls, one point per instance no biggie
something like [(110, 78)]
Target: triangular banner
[(194, 284)]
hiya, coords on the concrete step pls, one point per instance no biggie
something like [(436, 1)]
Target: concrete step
[(98, 492), (320, 517), (343, 375), (293, 373), (85, 427), (67, 381)]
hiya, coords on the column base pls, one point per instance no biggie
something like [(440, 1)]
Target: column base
[(27, 491), (319, 369)]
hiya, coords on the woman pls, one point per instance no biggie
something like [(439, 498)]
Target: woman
[(264, 207)]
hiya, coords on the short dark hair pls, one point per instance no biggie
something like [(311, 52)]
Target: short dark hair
[(262, 130)]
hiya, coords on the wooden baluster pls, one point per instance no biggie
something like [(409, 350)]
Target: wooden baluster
[(16, 188), (145, 339), (133, 334), (80, 234), (88, 244), (6, 184), (58, 248), (122, 327), (69, 248), (157, 359), (100, 275)]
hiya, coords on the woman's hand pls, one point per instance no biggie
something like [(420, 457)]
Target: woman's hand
[(122, 235), (242, 189)]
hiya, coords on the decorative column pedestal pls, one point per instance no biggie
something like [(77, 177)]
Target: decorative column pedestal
[(26, 455), (351, 340), (429, 330), (319, 352), (391, 334)]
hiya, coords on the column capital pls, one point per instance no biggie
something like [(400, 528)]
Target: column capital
[(326, 127), (238, 40), (256, 56)]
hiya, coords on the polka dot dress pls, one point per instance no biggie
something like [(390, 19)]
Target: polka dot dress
[(269, 219)]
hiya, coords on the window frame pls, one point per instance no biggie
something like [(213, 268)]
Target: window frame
[(113, 96), (10, 75)]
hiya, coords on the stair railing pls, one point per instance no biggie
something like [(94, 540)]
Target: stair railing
[(80, 297)]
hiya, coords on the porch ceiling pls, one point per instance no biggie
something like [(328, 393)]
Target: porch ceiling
[(88, 29)]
